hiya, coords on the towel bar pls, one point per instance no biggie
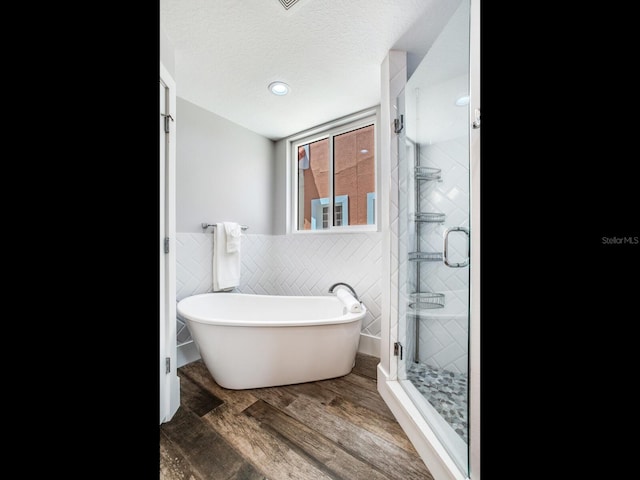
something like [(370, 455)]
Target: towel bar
[(205, 225)]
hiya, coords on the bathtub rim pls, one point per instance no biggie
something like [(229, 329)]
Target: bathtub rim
[(347, 317)]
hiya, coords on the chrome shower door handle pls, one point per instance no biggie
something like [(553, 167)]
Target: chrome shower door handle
[(445, 248)]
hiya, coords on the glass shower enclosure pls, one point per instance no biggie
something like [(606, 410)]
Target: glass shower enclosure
[(434, 236)]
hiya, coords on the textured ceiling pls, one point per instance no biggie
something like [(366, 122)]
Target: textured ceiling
[(329, 52)]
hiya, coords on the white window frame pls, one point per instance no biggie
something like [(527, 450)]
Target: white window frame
[(371, 207), (342, 125), (318, 203)]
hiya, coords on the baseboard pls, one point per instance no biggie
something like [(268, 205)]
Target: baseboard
[(187, 353), (426, 443), (369, 345)]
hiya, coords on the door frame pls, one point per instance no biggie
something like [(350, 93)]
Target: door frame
[(474, 300), (169, 382)]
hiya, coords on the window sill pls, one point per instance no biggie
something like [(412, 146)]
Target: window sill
[(338, 230)]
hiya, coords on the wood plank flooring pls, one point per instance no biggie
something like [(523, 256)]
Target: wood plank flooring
[(331, 429)]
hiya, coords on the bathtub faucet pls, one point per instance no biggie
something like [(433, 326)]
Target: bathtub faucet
[(345, 285)]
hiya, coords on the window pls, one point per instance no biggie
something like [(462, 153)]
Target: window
[(335, 180), (320, 212), (371, 207)]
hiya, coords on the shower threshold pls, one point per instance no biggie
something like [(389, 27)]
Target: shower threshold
[(446, 391)]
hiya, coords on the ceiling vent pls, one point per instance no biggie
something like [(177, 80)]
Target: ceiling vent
[(287, 4)]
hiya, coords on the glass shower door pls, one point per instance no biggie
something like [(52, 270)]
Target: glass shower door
[(434, 242)]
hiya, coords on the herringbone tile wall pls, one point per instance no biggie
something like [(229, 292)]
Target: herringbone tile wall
[(291, 265), (443, 334)]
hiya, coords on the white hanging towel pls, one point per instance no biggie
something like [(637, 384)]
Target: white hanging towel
[(233, 232), (226, 266)]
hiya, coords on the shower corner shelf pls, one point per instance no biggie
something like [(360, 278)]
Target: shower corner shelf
[(427, 300), (425, 256), (428, 173), (429, 217)]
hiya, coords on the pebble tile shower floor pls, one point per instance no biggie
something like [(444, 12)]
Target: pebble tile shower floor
[(446, 391)]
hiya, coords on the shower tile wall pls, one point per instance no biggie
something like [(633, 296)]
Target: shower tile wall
[(451, 197), (442, 341), (291, 265), (405, 333)]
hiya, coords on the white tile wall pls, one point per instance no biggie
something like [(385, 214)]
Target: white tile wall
[(290, 265), (397, 330), (451, 197), (406, 323), (442, 340)]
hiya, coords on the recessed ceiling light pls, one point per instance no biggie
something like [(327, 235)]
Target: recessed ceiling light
[(462, 101), (279, 88), (364, 150)]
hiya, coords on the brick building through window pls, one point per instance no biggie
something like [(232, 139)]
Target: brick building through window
[(346, 163)]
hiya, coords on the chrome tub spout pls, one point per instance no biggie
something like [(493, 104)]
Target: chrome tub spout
[(332, 287)]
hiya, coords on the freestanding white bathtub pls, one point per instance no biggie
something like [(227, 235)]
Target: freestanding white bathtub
[(253, 341)]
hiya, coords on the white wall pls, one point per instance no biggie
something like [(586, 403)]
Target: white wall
[(280, 199), (224, 172), (167, 53)]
